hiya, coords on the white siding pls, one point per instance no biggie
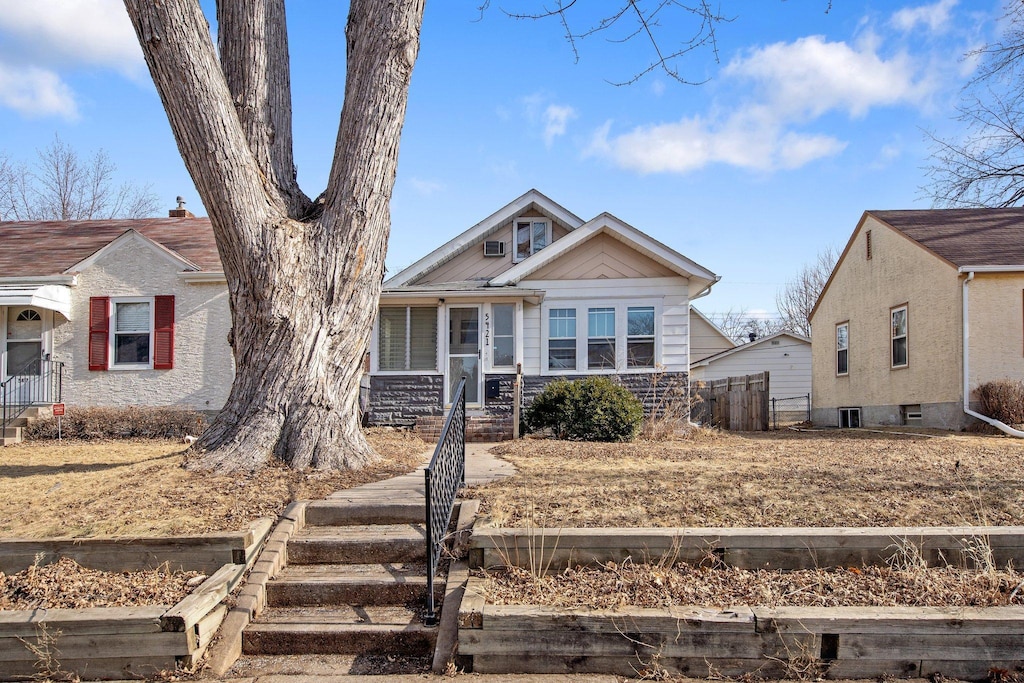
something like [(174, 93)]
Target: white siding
[(669, 294), (203, 364), (788, 362)]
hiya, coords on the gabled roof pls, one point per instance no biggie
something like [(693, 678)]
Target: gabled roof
[(990, 238), (749, 345), (481, 230), (47, 248), (607, 224), (964, 237), (714, 327)]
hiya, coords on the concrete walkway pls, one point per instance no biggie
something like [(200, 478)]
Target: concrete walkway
[(481, 467)]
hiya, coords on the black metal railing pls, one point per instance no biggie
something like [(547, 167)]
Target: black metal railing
[(37, 382), (444, 476)]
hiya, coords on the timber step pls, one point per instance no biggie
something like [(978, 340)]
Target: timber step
[(354, 512), (341, 630), (358, 544), (352, 584)]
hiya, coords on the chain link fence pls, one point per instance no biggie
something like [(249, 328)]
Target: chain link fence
[(790, 411)]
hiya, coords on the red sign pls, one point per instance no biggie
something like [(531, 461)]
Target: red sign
[(58, 409)]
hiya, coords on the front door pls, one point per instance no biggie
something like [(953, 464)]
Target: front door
[(464, 352), (23, 353)]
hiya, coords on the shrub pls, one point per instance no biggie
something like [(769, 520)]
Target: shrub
[(1003, 400), (121, 423), (592, 409)]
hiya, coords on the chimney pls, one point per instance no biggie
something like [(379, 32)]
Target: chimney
[(752, 336), (181, 211)]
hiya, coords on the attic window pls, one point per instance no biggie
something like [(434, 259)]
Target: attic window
[(531, 235), (867, 243)]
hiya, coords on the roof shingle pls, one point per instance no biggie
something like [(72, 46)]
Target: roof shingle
[(40, 248), (964, 237)]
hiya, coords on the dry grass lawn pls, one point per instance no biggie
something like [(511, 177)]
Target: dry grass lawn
[(138, 488), (763, 479)]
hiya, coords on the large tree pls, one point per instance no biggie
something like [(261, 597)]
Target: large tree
[(303, 276), (986, 166)]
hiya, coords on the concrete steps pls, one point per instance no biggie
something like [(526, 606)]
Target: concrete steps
[(364, 543), (15, 431), (355, 583)]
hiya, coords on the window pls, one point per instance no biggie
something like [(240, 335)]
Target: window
[(911, 415), (531, 235), (29, 315), (131, 336), (131, 333), (899, 336), (407, 338), (843, 349), (562, 339), (640, 337), (849, 418), (600, 338), (504, 349)]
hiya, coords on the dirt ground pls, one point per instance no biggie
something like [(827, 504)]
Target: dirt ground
[(785, 478), (134, 488)]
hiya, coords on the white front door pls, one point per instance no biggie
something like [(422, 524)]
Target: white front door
[(23, 352), (463, 352)]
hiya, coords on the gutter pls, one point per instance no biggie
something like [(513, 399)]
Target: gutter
[(1006, 429)]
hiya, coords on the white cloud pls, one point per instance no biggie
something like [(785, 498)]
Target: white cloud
[(35, 92), (556, 119), (425, 188), (83, 31), (811, 76), (794, 85), (934, 16)]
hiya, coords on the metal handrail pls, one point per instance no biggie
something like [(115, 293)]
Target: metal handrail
[(443, 478), (25, 388)]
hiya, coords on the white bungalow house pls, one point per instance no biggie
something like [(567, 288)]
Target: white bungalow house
[(134, 312), (532, 289)]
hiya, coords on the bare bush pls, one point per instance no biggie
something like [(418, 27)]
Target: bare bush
[(121, 423), (1003, 400)]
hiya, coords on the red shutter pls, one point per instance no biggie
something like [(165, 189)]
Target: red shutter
[(163, 331), (99, 329)]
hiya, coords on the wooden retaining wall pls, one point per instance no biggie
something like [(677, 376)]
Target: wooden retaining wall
[(124, 642), (792, 642), (745, 548)]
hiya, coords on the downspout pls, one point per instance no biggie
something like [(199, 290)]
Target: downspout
[(1006, 429), (703, 292)]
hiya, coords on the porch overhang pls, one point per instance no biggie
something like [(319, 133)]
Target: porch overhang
[(50, 297), (456, 294)]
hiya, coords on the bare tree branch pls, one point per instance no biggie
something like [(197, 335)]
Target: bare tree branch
[(63, 186), (796, 299)]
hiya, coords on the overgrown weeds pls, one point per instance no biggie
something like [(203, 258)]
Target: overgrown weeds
[(120, 423), (1003, 400)]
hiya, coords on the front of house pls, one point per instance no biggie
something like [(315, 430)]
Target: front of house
[(922, 308), (535, 292), (134, 312)]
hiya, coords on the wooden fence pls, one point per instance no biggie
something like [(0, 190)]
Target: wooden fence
[(736, 403)]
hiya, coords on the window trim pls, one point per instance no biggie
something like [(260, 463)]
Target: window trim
[(850, 411), (546, 325), (548, 232), (112, 333), (621, 307), (439, 341), (846, 324), (643, 338), (905, 307)]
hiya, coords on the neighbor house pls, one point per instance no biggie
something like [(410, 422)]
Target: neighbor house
[(706, 338), (922, 308), (136, 311), (535, 291), (785, 356)]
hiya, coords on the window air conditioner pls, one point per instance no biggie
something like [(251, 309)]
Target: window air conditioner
[(494, 248)]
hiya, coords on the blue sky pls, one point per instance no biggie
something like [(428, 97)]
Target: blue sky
[(807, 119)]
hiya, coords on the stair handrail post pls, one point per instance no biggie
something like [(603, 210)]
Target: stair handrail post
[(442, 479)]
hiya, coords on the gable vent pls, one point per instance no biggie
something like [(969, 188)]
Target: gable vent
[(494, 248)]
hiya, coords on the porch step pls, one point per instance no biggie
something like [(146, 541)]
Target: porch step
[(339, 630), (362, 512), (11, 436), (358, 544), (349, 584), (479, 428)]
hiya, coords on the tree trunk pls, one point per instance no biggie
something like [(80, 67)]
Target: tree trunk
[(303, 281)]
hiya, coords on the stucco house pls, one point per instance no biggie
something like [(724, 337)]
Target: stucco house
[(786, 356), (135, 310), (922, 308), (532, 289)]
